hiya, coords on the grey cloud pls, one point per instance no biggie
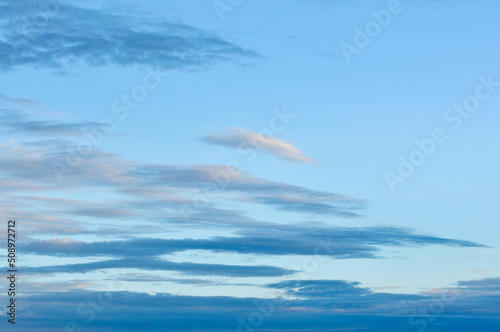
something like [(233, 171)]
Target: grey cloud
[(487, 284), (145, 263), (336, 242), (214, 178)]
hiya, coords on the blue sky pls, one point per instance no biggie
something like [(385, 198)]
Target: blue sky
[(252, 166)]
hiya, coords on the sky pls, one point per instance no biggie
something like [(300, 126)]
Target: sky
[(234, 165)]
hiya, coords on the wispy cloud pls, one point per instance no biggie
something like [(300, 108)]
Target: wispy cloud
[(25, 105), (153, 184), (19, 101), (71, 35), (17, 122), (242, 138)]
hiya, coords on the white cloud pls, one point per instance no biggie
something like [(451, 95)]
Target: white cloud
[(246, 139)]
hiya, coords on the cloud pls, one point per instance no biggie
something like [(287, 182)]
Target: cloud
[(154, 194), (306, 205), (62, 34), (152, 264), (213, 179), (20, 101), (141, 277), (319, 305), (490, 285), (16, 122), (56, 144), (320, 288), (239, 138), (338, 242), (31, 287), (104, 212), (168, 186)]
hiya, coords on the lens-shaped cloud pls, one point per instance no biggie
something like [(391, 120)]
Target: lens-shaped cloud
[(239, 138)]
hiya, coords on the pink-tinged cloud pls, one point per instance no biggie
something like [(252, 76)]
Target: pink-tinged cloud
[(240, 138)]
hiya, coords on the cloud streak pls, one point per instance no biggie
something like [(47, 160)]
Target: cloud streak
[(16, 122), (285, 240), (152, 264)]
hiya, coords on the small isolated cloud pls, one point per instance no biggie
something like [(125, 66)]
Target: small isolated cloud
[(240, 138)]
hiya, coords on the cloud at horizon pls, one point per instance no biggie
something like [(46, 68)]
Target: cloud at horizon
[(318, 304)]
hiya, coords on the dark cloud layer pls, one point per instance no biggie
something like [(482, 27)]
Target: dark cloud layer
[(322, 305)]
